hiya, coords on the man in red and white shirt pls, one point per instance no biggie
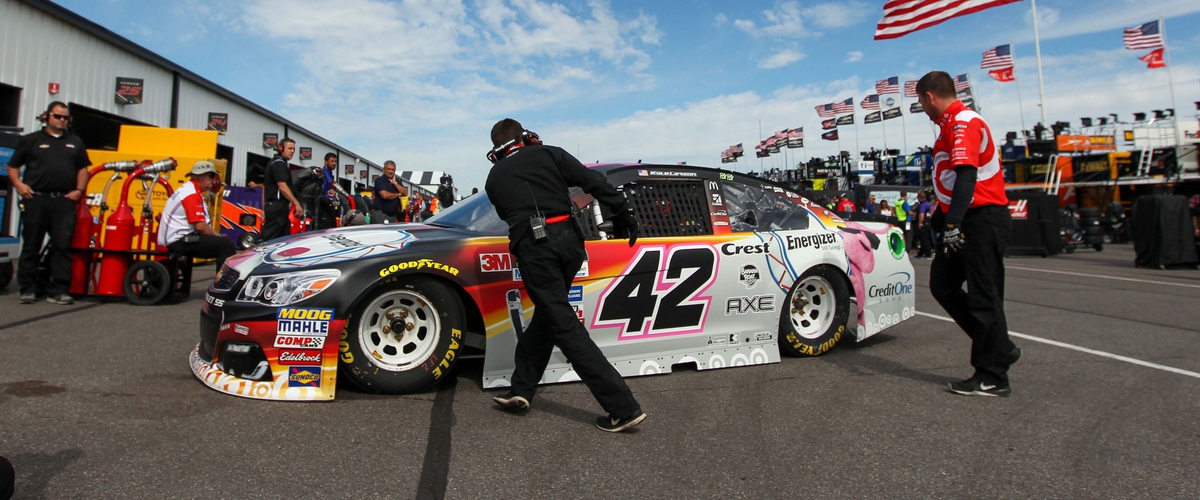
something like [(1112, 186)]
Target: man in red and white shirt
[(973, 223), (186, 227)]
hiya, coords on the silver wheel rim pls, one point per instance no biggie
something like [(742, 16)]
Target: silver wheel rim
[(812, 307), (399, 330)]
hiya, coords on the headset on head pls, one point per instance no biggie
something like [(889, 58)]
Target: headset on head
[(529, 137), (45, 116)]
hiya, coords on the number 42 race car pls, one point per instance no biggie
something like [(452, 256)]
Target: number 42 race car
[(729, 271)]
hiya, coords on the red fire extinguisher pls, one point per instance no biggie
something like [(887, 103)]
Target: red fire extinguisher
[(118, 235), (87, 228)]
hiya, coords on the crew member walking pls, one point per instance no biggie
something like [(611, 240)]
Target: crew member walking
[(279, 194), (973, 222), (56, 177), (528, 186)]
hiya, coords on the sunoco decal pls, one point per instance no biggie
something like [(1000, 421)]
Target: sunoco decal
[(303, 321), (304, 376)]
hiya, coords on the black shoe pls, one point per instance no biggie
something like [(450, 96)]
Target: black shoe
[(613, 424), (512, 403), (1014, 356), (975, 387)]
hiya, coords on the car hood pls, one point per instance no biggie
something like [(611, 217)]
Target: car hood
[(334, 246)]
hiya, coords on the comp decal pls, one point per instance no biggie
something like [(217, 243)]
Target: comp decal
[(328, 247), (649, 299)]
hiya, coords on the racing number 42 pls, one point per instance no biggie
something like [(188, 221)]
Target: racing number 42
[(651, 299)]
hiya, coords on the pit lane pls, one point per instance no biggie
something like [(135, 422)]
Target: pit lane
[(96, 401)]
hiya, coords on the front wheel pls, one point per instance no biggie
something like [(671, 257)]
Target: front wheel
[(815, 314), (403, 338)]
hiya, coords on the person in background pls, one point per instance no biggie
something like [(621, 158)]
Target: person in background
[(56, 177), (845, 205), (328, 204), (387, 193), (279, 193), (186, 226), (869, 206), (924, 238)]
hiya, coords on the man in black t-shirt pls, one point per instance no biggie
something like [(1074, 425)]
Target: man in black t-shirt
[(56, 177), (279, 193), (387, 193)]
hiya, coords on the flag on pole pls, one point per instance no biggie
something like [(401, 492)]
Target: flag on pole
[(870, 102), (1154, 59), (875, 117), (829, 124), (831, 135), (962, 82), (781, 135), (738, 150), (888, 114), (888, 86), (910, 88), (915, 109), (901, 17), (1002, 75), (1146, 36), (826, 111), (845, 120), (843, 107), (796, 138), (999, 57)]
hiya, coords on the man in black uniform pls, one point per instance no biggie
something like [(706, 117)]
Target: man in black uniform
[(56, 177), (387, 195), (528, 186), (279, 195)]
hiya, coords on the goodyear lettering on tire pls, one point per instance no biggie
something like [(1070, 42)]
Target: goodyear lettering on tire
[(451, 352)]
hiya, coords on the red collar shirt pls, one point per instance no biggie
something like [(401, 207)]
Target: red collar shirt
[(966, 140)]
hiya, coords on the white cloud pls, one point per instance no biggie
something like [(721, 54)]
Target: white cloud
[(788, 19), (838, 15), (1047, 17), (1104, 15), (854, 56), (721, 19), (781, 59)]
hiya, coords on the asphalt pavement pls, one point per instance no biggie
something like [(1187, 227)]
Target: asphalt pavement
[(97, 401)]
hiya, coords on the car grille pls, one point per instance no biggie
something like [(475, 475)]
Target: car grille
[(228, 277)]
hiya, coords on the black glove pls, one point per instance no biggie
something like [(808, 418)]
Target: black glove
[(625, 222), (953, 238)]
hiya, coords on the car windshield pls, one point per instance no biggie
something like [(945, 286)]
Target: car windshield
[(473, 213)]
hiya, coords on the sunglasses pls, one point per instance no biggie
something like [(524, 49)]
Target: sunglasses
[(60, 117)]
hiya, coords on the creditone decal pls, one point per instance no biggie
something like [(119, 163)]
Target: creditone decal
[(414, 265), (748, 275), (649, 299), (292, 357), (335, 246), (304, 376), (299, 342), (303, 321), (752, 304), (898, 284)]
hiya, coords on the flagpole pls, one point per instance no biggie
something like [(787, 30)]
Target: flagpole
[(903, 126), (1012, 49), (1162, 24), (884, 125), (760, 162), (856, 148), (1037, 45)]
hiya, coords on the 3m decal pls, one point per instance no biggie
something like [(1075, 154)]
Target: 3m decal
[(290, 357), (747, 305), (414, 265), (650, 299), (304, 376), (303, 321), (299, 342), (495, 262)]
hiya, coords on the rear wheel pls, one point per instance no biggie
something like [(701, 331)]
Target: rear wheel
[(403, 337), (815, 314)]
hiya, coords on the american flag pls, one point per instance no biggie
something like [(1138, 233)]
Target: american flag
[(870, 102), (771, 141), (910, 88), (781, 135), (846, 106), (888, 86), (826, 111), (796, 133), (999, 57), (737, 150), (901, 17), (961, 83), (1146, 36)]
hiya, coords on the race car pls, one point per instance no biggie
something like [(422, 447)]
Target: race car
[(729, 270)]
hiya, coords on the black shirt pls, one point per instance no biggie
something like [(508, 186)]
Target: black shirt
[(543, 173), (389, 207), (51, 163), (277, 170)]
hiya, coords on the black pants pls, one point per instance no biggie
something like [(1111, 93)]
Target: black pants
[(979, 310), (547, 269), (7, 479), (925, 240), (209, 247), (275, 219), (53, 215)]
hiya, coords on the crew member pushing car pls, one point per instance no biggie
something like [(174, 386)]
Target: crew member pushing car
[(528, 186), (973, 221), (56, 177), (279, 194), (186, 225)]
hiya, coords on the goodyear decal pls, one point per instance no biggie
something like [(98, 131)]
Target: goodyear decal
[(414, 265), (304, 376), (303, 321)]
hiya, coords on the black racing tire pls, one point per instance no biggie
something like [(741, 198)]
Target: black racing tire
[(377, 360), (6, 274), (147, 282), (246, 240), (816, 312)]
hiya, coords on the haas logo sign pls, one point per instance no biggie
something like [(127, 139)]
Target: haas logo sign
[(1019, 209)]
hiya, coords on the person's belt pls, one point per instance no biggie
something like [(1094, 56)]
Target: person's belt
[(557, 218), (52, 194)]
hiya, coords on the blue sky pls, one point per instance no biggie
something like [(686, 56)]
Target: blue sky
[(668, 81)]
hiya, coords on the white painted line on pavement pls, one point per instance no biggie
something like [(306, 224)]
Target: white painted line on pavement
[(1082, 349), (1102, 276)]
